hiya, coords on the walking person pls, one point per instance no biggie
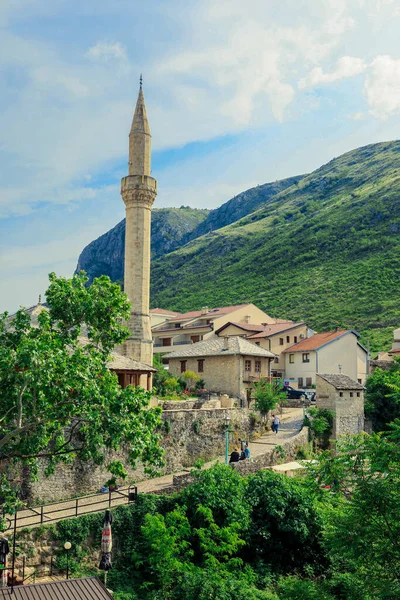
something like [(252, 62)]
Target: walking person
[(247, 450), (276, 423)]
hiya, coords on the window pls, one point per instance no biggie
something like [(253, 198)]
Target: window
[(358, 394), (306, 357), (276, 359), (247, 365), (308, 382), (291, 358), (166, 341), (195, 338), (200, 365), (183, 366), (257, 343), (257, 366), (295, 339), (300, 382), (288, 339), (359, 381), (281, 341), (121, 379), (351, 394), (341, 394), (177, 325)]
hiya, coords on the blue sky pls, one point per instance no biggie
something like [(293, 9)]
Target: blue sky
[(238, 94)]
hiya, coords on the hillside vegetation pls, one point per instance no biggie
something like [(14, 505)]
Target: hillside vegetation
[(325, 250), (105, 256), (240, 206)]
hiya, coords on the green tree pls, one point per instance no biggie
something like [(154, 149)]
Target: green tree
[(190, 378), (362, 516), (58, 398), (285, 528), (382, 399), (267, 395)]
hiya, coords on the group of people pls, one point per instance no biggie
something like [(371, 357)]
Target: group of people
[(245, 450), (242, 455)]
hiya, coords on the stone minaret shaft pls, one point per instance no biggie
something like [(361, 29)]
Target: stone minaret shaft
[(138, 191)]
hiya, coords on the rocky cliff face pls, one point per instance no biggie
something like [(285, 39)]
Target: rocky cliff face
[(241, 205), (105, 256), (174, 227)]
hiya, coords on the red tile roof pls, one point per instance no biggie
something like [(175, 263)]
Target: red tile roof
[(395, 351), (317, 340), (211, 312), (275, 328), (162, 311)]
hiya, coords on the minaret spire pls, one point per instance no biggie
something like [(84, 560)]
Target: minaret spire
[(138, 192), (140, 138)]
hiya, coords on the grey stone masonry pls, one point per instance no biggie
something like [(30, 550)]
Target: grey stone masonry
[(345, 398)]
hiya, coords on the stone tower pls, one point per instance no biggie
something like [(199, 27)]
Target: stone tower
[(138, 191)]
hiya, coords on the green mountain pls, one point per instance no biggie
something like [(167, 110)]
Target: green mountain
[(105, 256), (326, 250)]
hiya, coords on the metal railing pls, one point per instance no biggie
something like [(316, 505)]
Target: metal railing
[(66, 509)]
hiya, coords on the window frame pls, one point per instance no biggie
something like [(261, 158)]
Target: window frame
[(291, 359), (305, 357), (257, 366), (183, 365), (247, 366), (200, 365)]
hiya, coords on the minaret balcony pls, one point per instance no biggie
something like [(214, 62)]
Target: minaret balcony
[(131, 182)]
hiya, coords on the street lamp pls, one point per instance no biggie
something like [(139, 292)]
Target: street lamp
[(227, 432), (67, 547)]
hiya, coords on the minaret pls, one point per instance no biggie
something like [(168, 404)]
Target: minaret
[(138, 191)]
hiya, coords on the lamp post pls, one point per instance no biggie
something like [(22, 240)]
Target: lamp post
[(67, 547), (227, 432)]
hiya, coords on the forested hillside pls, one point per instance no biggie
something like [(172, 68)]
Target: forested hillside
[(326, 250)]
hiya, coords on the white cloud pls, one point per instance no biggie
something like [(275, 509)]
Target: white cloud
[(382, 87), (107, 52), (346, 66)]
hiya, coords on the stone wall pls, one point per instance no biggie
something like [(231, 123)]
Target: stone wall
[(347, 405), (186, 436), (274, 456)]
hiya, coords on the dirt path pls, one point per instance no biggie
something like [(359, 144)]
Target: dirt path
[(291, 421)]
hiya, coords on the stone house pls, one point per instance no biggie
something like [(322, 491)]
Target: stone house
[(345, 397), (197, 325), (275, 337), (228, 365), (330, 352)]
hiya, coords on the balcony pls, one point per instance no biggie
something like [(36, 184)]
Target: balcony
[(169, 347)]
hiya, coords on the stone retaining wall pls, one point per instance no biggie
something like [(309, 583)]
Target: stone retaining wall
[(186, 436), (274, 456)]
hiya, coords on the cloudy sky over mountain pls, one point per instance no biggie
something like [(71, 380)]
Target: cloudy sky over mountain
[(238, 93)]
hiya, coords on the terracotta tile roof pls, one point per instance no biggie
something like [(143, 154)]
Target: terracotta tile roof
[(211, 312), (341, 382), (82, 588), (162, 311), (395, 351), (221, 347), (275, 328), (317, 340)]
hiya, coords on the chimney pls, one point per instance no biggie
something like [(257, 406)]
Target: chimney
[(226, 343), (204, 310)]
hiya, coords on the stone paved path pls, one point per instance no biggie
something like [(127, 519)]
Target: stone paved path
[(291, 421)]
